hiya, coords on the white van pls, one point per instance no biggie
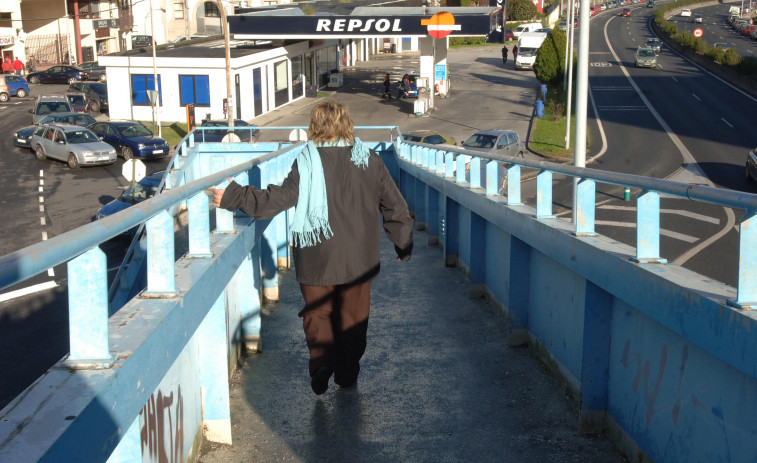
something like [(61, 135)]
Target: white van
[(527, 27), (528, 43)]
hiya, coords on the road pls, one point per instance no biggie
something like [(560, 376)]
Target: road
[(716, 28), (39, 200)]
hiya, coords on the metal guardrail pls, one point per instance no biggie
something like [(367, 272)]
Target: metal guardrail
[(451, 163)]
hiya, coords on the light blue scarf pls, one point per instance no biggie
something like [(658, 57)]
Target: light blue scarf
[(311, 215)]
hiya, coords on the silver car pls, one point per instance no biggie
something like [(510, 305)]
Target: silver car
[(645, 58), (77, 146), (501, 142)]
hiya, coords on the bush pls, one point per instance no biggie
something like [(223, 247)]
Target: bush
[(699, 45), (731, 58), (550, 58), (522, 10), (556, 108), (717, 54), (747, 66), (466, 41)]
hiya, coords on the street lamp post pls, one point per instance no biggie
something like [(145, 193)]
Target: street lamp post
[(230, 105), (156, 102)]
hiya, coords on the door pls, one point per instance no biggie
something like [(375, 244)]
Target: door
[(57, 148)]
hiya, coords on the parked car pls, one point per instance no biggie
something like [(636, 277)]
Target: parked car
[(62, 74), (48, 104), (78, 102), (501, 142), (411, 92), (686, 13), (73, 144), (17, 85), (654, 43), (97, 94), (625, 12), (5, 93), (142, 190), (94, 70), (751, 165), (247, 134), (697, 18), (131, 139), (428, 137), (141, 41), (645, 57), (509, 35), (650, 4), (23, 137), (722, 45)]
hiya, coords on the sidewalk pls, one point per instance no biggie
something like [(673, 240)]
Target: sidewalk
[(438, 384)]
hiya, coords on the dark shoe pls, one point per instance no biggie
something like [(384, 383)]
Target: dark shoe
[(347, 384), (319, 382)]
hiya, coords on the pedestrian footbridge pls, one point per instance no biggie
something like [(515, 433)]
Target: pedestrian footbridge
[(657, 357)]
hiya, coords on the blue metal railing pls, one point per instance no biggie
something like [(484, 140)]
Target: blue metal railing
[(452, 163)]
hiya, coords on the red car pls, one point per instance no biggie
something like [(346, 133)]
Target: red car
[(626, 12)]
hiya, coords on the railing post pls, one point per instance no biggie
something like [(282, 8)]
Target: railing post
[(439, 162), (492, 180), (161, 277), (648, 228), (449, 164), (88, 311), (513, 185), (460, 169), (199, 226), (544, 195), (214, 374), (585, 194), (269, 242), (746, 292), (475, 172)]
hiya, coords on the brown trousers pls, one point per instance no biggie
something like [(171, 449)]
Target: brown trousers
[(335, 319)]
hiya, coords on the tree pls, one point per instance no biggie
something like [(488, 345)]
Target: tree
[(522, 10), (550, 58)]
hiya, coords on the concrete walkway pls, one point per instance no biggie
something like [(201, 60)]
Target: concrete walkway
[(438, 382)]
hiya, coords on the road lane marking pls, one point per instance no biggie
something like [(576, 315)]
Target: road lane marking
[(42, 221), (42, 199), (726, 122), (696, 97), (674, 78), (663, 232), (50, 272), (26, 291), (681, 212), (44, 236), (41, 208), (40, 189)]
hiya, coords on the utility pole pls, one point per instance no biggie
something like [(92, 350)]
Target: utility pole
[(229, 99), (582, 94)]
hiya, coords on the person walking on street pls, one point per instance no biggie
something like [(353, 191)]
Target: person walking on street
[(504, 54), (342, 193), (18, 66), (387, 87), (515, 52), (7, 65)]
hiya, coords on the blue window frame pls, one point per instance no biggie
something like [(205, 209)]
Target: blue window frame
[(140, 84), (194, 90)]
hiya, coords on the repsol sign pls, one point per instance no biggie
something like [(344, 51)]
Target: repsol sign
[(257, 26)]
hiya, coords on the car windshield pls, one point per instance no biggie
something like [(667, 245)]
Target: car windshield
[(413, 138), (81, 136), (100, 89), (76, 99), (79, 119), (480, 141), (646, 53), (139, 193), (135, 130)]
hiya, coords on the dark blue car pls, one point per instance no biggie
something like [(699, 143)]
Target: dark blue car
[(131, 139), (143, 190), (62, 74), (17, 85)]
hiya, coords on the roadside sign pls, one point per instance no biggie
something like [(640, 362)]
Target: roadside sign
[(698, 32), (134, 170)]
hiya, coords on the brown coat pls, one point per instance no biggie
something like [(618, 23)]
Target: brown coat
[(357, 198)]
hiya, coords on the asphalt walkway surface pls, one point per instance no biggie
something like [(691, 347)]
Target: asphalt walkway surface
[(439, 382)]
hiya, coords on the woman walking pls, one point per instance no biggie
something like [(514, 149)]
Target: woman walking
[(341, 191)]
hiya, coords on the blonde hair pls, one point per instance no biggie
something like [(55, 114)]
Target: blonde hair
[(330, 121)]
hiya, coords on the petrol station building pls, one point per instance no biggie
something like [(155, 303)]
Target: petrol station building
[(277, 55)]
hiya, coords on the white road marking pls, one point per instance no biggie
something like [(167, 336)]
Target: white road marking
[(44, 236), (41, 182), (726, 122), (41, 208), (674, 78), (42, 221), (50, 272), (26, 291), (41, 173), (40, 189), (42, 199), (663, 232), (696, 97), (689, 214)]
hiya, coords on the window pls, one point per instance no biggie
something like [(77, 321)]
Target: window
[(281, 83), (178, 10), (211, 10), (194, 90), (140, 84)]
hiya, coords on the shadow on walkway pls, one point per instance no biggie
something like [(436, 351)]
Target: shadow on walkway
[(438, 384)]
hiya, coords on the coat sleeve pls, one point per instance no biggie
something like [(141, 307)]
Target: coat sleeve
[(263, 204), (398, 224)]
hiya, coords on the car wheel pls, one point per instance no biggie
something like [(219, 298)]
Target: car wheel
[(4, 97), (40, 152), (73, 162), (94, 107), (72, 80), (34, 79), (21, 93), (127, 153)]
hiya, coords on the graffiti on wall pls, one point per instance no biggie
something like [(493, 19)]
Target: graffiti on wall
[(162, 432)]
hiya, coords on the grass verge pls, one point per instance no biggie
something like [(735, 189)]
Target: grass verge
[(548, 132)]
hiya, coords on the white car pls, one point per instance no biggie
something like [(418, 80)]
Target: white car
[(686, 12)]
